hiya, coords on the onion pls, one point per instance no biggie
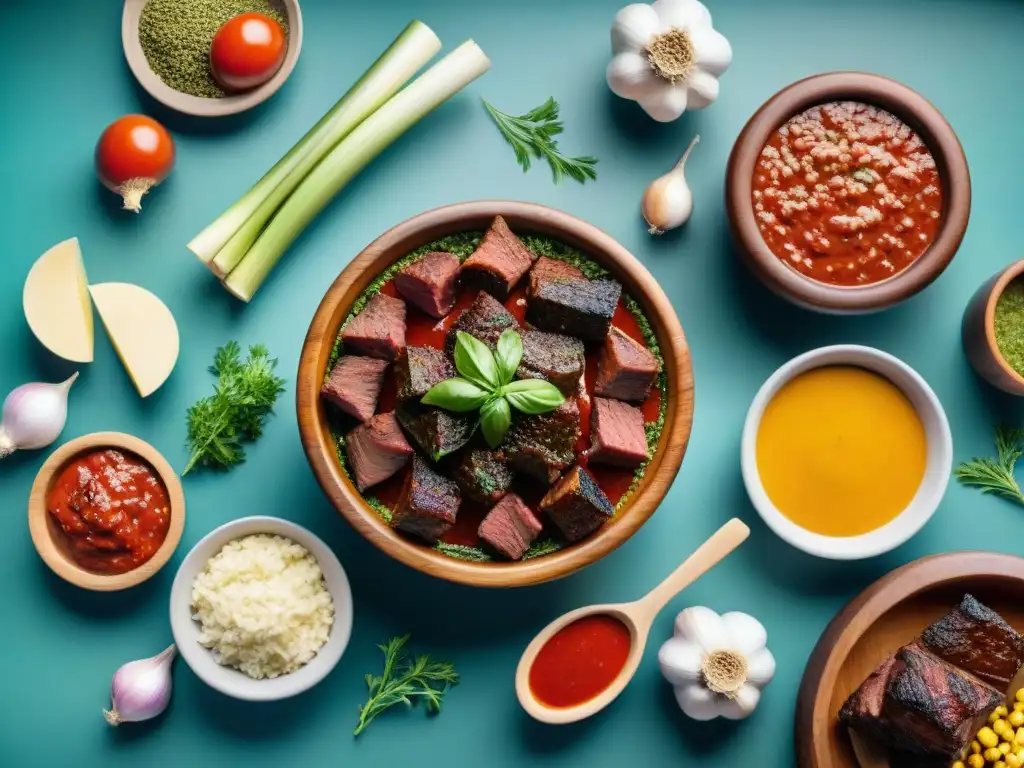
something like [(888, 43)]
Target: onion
[(34, 415), (141, 689)]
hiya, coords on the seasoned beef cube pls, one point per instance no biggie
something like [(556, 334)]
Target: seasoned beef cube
[(617, 435), (355, 384), (436, 431), (483, 476), (545, 269), (863, 709), (430, 282), (552, 356), (577, 505), (976, 639), (510, 527), (430, 502), (499, 262), (376, 450), (419, 369), (379, 330), (543, 446), (626, 369), (574, 305), (485, 319)]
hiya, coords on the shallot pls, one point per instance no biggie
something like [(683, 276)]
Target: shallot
[(34, 415), (141, 689)]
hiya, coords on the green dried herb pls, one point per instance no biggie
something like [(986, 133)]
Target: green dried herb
[(1009, 325)]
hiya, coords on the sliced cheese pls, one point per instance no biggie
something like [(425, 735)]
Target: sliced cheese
[(142, 330), (56, 302)]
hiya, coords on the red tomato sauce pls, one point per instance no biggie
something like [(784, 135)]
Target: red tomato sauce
[(580, 661), (847, 194), (113, 509)]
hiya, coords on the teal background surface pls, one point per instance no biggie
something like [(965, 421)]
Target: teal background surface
[(65, 80)]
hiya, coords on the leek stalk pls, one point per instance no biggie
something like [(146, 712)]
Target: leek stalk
[(348, 158)]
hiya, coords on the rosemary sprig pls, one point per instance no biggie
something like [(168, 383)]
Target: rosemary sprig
[(532, 136), (996, 475)]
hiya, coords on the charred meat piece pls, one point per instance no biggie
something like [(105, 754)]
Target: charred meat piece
[(499, 262), (376, 450), (976, 639), (544, 446), (617, 435), (430, 282), (863, 709), (546, 269), (552, 356), (510, 527), (483, 476), (437, 432), (574, 305), (420, 368), (430, 502), (626, 369), (577, 505), (355, 384), (485, 319), (377, 331)]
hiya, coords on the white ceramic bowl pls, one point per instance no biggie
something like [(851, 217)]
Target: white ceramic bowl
[(937, 469), (230, 681)]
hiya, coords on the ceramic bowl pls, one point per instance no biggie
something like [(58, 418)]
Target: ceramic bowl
[(197, 105), (978, 332), (320, 446), (937, 469), (49, 539), (230, 681), (910, 107)]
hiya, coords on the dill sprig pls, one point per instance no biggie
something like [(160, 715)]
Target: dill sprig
[(404, 682), (996, 475), (532, 136)]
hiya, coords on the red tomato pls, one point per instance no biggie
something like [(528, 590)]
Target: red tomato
[(134, 154), (247, 51)]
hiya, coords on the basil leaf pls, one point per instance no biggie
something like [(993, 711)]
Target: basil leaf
[(542, 397), (510, 352), (474, 360), (495, 419), (526, 385), (456, 395)]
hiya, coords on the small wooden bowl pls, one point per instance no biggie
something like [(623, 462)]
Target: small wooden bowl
[(977, 331), (882, 618), (48, 538), (523, 218), (197, 105), (910, 107)]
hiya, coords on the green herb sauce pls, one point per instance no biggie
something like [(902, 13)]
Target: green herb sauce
[(1009, 325)]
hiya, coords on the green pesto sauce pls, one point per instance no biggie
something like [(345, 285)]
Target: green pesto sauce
[(462, 245), (1009, 325)]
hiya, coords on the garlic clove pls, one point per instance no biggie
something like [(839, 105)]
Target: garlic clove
[(680, 661), (711, 51), (633, 27), (746, 633), (704, 627), (667, 103), (703, 89), (742, 705), (630, 76), (680, 14), (760, 667), (697, 702)]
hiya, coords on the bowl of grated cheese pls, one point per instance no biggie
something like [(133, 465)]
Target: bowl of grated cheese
[(261, 609)]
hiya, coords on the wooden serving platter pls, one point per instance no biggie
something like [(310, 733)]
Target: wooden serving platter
[(888, 614)]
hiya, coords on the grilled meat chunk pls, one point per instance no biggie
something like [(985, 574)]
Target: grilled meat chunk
[(376, 450), (430, 502), (377, 331), (499, 262), (420, 368), (545, 268), (543, 446), (430, 282), (574, 305), (485, 319), (510, 527), (863, 709), (626, 369), (552, 356), (437, 432), (577, 505), (617, 435), (355, 384), (483, 476)]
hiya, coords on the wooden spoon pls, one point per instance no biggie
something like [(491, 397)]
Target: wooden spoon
[(637, 616)]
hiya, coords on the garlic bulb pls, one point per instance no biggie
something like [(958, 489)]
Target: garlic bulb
[(668, 201), (717, 664), (667, 57)]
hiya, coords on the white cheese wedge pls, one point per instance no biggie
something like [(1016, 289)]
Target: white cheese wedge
[(56, 302), (142, 330)]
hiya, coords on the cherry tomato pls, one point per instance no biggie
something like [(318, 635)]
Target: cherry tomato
[(134, 154), (247, 51)]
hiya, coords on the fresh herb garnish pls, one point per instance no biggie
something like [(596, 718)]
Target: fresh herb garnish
[(996, 475), (486, 384), (532, 135), (404, 681), (243, 398)]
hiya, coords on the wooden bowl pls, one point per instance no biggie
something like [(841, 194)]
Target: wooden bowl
[(910, 107), (977, 332), (48, 538), (198, 105), (886, 615), (522, 218)]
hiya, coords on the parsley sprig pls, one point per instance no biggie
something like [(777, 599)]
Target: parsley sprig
[(243, 398), (403, 682), (996, 475)]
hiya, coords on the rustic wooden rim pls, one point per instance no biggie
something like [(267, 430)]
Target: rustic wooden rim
[(1013, 271), (528, 217), (913, 109), (842, 633), (43, 530)]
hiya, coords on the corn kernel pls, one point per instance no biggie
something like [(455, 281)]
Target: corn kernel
[(999, 764), (975, 747), (1012, 761), (987, 737), (999, 725), (976, 761), (993, 716), (992, 754), (1005, 747), (1019, 696), (1018, 739), (960, 764), (1001, 710), (1016, 718)]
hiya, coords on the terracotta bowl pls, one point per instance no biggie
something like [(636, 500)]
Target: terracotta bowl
[(979, 337), (910, 107), (885, 616), (49, 539), (522, 218)]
